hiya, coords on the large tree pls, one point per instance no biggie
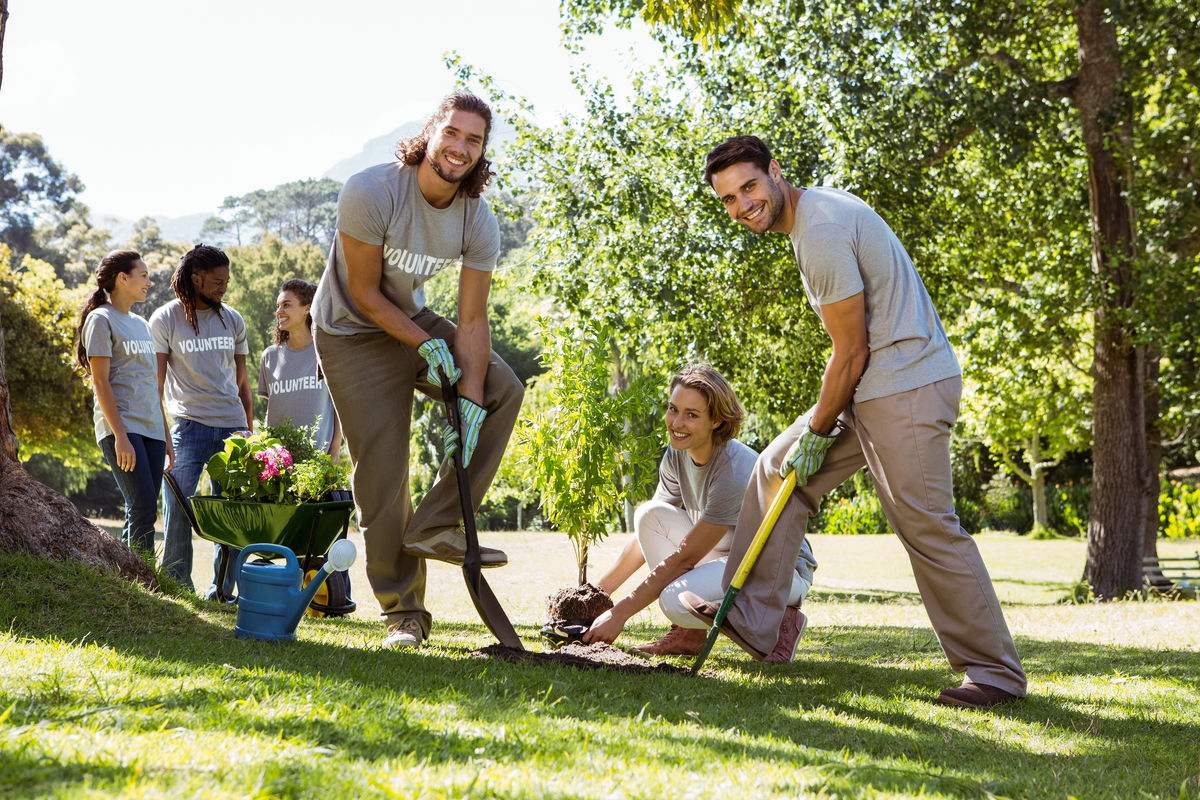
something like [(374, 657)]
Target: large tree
[(33, 518), (905, 89)]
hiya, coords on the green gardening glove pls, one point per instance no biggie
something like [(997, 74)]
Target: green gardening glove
[(807, 453), (471, 416), (437, 355)]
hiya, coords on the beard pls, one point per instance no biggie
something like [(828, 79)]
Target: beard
[(215, 305), (774, 209), (441, 173)]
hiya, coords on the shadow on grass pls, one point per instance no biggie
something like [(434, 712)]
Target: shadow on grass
[(863, 694)]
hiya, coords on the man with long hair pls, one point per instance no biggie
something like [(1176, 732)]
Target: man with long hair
[(399, 224), (888, 401)]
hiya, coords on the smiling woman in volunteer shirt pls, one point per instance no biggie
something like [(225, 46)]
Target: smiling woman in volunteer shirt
[(683, 533), (287, 374), (201, 347), (114, 347)]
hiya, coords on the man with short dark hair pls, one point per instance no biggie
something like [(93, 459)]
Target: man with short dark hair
[(399, 224), (888, 401)]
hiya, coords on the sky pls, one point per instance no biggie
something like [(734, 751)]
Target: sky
[(165, 108)]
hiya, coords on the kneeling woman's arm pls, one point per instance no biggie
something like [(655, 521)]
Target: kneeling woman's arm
[(698, 543)]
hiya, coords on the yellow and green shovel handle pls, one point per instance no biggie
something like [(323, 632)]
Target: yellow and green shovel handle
[(748, 560)]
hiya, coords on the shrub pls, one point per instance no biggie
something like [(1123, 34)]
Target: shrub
[(1179, 510), (1068, 506), (854, 510), (1006, 506)]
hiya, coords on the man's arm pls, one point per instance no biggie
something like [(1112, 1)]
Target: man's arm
[(243, 385), (846, 323), (473, 342), (364, 269)]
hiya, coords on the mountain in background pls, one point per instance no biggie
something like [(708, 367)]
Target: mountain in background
[(375, 151)]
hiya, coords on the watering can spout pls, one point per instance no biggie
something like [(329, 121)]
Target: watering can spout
[(340, 557)]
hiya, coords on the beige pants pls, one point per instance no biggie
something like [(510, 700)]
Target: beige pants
[(372, 377), (904, 441), (661, 528)]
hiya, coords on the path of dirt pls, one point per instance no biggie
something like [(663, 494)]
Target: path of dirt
[(585, 656)]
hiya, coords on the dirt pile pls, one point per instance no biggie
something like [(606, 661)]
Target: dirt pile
[(584, 656), (577, 605)]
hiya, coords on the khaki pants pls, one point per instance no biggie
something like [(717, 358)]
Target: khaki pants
[(372, 377), (904, 441)]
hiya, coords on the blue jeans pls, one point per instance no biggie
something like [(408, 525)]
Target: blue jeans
[(195, 444), (139, 487)]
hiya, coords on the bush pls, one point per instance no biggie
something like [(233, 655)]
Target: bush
[(1069, 505), (854, 509), (1006, 505), (1179, 510)]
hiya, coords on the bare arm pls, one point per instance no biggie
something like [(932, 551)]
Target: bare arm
[(126, 457), (335, 445), (243, 385), (162, 382), (698, 542), (473, 343), (364, 269), (627, 563), (846, 323)]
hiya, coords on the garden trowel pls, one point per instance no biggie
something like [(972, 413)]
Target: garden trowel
[(489, 608)]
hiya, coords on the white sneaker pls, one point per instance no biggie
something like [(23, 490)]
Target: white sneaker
[(405, 633)]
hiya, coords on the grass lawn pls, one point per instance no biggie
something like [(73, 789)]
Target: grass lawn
[(107, 689)]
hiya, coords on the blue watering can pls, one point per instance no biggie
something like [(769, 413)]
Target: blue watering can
[(270, 600)]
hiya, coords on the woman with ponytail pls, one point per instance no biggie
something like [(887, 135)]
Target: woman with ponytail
[(287, 376), (115, 348), (201, 347)]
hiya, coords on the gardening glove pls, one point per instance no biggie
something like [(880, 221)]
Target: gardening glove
[(471, 416), (807, 453), (437, 355)]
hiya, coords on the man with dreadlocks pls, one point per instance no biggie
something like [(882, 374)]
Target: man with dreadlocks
[(201, 347), (398, 225)]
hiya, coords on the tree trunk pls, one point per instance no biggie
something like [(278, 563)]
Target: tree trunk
[(1153, 489), (1037, 474), (1117, 518), (583, 559), (620, 384), (520, 515)]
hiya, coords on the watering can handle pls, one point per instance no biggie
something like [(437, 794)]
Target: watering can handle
[(265, 547)]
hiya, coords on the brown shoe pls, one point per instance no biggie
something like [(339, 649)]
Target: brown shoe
[(790, 632), (706, 612), (402, 634), (677, 642), (975, 695), (450, 545)]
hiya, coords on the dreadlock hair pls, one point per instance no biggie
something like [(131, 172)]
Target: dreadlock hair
[(304, 292), (412, 151), (116, 263), (201, 258)]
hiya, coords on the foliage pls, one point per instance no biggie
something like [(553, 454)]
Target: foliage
[(318, 475), (51, 403), (297, 439), (1179, 509), (573, 441), (32, 186), (858, 514), (254, 467), (303, 211)]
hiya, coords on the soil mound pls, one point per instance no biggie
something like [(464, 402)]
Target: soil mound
[(579, 605), (584, 656)]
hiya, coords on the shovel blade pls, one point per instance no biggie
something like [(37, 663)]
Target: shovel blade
[(490, 610)]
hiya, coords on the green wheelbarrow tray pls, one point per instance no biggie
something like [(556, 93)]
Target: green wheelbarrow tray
[(307, 529)]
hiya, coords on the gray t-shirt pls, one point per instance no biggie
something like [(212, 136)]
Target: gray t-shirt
[(713, 492), (201, 374), (383, 205), (132, 371), (288, 379), (843, 247)]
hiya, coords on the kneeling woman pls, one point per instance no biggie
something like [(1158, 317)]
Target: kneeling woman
[(684, 532)]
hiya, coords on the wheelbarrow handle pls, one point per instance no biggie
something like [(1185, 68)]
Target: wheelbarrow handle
[(184, 502)]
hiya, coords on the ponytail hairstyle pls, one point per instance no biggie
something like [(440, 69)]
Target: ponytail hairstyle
[(304, 292), (201, 258), (115, 263)]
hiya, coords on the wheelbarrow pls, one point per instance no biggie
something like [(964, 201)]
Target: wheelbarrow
[(307, 529)]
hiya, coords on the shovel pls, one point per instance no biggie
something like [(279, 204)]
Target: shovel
[(743, 571), (489, 608)]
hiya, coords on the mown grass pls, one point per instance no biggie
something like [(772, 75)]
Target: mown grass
[(107, 689)]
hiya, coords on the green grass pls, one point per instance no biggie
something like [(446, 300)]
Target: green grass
[(107, 689)]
